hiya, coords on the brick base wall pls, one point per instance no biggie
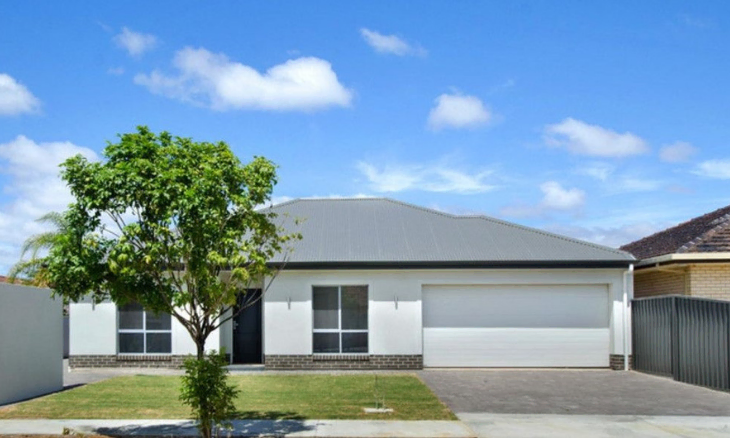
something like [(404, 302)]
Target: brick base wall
[(287, 362), (132, 361), (616, 362), (344, 362)]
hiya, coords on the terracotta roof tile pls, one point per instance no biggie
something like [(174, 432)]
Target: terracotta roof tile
[(706, 233)]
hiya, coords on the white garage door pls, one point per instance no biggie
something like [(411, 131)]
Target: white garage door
[(516, 326)]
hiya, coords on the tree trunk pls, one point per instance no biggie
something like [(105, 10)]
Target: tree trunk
[(205, 426), (200, 344)]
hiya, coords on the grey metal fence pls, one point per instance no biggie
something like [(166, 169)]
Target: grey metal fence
[(65, 336), (686, 338)]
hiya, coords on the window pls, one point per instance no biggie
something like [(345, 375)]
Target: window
[(142, 332), (340, 319)]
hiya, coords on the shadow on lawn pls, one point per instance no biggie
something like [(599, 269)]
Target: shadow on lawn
[(249, 427)]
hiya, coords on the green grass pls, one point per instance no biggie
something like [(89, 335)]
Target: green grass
[(312, 396)]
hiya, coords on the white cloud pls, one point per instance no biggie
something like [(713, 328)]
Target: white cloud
[(32, 188), (558, 198), (719, 169), (458, 111), (213, 80), (628, 183), (677, 152), (15, 98), (275, 200), (390, 44), (433, 178), (555, 198), (599, 171), (584, 139), (135, 43), (613, 182)]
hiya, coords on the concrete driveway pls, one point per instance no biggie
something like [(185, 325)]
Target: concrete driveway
[(582, 392), (580, 404)]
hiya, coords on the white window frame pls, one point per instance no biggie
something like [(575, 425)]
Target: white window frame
[(339, 330), (143, 331)]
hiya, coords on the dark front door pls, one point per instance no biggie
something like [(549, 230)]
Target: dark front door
[(247, 329)]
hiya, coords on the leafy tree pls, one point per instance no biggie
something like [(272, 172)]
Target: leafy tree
[(173, 225), (169, 223), (33, 269)]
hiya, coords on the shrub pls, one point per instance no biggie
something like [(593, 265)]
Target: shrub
[(206, 390)]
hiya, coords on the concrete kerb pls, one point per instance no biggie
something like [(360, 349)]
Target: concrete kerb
[(242, 428)]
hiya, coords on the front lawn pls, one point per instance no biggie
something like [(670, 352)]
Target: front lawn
[(301, 396)]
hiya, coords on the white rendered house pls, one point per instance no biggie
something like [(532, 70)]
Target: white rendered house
[(377, 283)]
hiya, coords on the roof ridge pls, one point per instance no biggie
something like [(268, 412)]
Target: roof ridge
[(697, 240)]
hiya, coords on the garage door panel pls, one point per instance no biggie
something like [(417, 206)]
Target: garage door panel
[(516, 326), (551, 306), (489, 347)]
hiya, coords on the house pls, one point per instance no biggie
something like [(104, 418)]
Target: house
[(378, 283), (692, 258)]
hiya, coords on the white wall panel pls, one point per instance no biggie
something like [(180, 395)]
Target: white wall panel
[(92, 328), (31, 342), (394, 328), (398, 330)]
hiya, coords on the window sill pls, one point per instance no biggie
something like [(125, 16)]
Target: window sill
[(322, 357)]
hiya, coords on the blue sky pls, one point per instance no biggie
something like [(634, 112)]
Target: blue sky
[(604, 121)]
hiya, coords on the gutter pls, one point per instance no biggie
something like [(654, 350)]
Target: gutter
[(684, 257), (497, 264)]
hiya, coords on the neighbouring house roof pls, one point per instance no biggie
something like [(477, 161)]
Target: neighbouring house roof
[(385, 232), (709, 233)]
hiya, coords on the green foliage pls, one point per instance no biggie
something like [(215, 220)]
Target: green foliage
[(174, 225), (206, 389), (167, 222), (33, 269)]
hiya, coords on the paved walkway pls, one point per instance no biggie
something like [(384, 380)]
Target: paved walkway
[(472, 425), (245, 428), (596, 426)]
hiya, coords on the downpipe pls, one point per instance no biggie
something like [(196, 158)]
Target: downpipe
[(629, 273)]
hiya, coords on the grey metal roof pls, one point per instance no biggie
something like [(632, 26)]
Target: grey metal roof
[(389, 232)]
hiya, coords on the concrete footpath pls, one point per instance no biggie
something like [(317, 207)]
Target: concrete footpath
[(244, 428), (471, 425), (595, 426)]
